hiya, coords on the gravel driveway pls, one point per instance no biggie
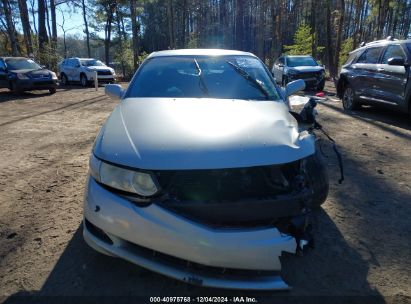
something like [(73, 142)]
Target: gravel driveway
[(363, 231)]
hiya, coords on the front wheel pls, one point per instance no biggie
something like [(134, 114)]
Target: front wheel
[(14, 88), (321, 85), (83, 80), (64, 80), (349, 100)]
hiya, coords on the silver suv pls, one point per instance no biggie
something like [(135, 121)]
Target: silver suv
[(83, 70)]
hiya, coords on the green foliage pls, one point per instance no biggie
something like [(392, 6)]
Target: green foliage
[(346, 47), (303, 42)]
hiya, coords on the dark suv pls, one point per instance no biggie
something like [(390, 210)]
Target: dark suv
[(377, 73)]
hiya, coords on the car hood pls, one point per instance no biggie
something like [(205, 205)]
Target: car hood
[(308, 68), (32, 72), (172, 134), (99, 68)]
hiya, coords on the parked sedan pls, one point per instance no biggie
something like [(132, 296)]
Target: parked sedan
[(23, 74), (201, 172), (289, 68)]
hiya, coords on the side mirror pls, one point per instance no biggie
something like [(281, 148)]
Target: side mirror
[(396, 61), (77, 65), (280, 65), (114, 91), (294, 87), (43, 66)]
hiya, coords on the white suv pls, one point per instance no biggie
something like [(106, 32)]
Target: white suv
[(83, 70)]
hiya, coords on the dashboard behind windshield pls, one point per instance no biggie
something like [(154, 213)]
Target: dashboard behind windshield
[(225, 77)]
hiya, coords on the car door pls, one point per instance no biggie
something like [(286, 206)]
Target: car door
[(366, 73), (393, 79), (3, 75)]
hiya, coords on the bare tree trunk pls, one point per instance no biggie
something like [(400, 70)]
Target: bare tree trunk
[(135, 31), (120, 38), (25, 22), (239, 26), (43, 38), (11, 30), (107, 30), (83, 7), (170, 18)]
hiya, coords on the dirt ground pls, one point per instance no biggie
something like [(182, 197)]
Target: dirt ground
[(362, 233)]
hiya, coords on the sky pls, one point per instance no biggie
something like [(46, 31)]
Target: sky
[(73, 20)]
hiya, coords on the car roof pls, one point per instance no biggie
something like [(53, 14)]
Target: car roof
[(381, 43), (198, 52)]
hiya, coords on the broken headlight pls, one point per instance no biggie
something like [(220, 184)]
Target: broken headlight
[(123, 179)]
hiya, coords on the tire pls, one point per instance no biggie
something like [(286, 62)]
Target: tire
[(321, 85), (317, 178), (83, 80), (349, 101), (64, 80), (52, 91), (14, 89)]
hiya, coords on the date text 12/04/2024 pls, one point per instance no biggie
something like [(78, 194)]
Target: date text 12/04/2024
[(203, 300)]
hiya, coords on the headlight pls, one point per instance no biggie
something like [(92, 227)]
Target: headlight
[(53, 75), (113, 72), (22, 76), (137, 182)]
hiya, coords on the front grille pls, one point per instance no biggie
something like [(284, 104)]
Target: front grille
[(40, 76), (309, 75), (242, 197), (104, 73), (216, 186)]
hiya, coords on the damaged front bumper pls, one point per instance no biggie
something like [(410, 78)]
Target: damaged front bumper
[(164, 242)]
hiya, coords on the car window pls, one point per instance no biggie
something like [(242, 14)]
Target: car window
[(221, 77), (393, 51), (351, 58), (301, 61), (91, 62), (22, 64), (370, 55)]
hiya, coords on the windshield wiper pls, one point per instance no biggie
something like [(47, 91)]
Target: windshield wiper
[(202, 84), (256, 83)]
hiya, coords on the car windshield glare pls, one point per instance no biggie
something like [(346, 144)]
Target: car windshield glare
[(22, 64), (204, 76), (92, 62), (301, 61)]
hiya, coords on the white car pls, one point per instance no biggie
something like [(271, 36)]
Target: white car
[(83, 70), (202, 174)]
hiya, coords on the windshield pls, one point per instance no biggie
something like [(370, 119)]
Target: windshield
[(91, 62), (22, 64), (226, 77), (300, 61)]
